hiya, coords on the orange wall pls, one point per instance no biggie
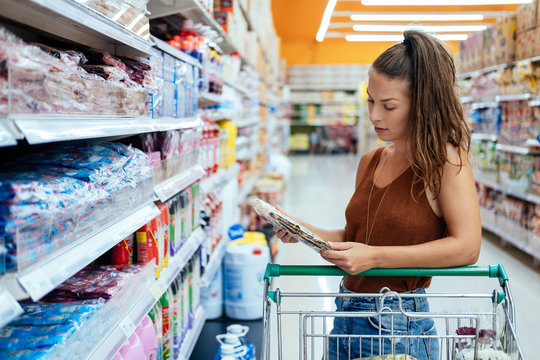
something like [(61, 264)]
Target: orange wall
[(297, 22), (335, 51)]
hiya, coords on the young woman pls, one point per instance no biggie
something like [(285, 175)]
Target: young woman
[(415, 201)]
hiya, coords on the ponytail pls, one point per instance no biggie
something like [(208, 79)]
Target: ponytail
[(436, 117)]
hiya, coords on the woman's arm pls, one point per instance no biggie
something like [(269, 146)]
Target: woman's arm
[(459, 206)]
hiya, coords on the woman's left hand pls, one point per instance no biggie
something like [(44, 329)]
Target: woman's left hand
[(351, 257)]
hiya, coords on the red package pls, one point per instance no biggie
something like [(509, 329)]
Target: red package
[(164, 231), (122, 253), (146, 238)]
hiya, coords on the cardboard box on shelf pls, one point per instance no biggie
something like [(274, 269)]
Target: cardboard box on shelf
[(224, 19), (536, 51), (490, 40), (525, 43), (526, 16), (224, 5), (505, 49)]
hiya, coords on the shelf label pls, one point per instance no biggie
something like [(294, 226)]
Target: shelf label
[(127, 326), (37, 284), (156, 291)]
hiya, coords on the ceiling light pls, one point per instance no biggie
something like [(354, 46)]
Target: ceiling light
[(428, 28), (323, 28), (396, 38), (417, 17), (443, 2)]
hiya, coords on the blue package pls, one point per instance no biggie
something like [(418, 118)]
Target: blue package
[(27, 354), (29, 337)]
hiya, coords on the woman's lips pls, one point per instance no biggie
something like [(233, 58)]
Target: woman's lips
[(379, 130)]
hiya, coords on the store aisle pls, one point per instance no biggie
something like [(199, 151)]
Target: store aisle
[(318, 192)]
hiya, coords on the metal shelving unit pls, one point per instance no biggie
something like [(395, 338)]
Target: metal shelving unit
[(41, 128), (45, 275), (192, 9), (168, 188), (127, 322), (72, 21)]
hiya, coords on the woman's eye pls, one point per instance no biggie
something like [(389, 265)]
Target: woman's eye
[(389, 108), (370, 101)]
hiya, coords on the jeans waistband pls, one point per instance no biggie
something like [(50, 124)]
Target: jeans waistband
[(416, 303)]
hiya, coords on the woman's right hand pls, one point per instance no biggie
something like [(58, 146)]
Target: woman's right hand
[(282, 234)]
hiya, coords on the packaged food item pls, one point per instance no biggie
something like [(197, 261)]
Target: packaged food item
[(287, 224), (122, 253)]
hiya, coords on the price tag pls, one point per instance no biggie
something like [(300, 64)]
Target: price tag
[(127, 326), (156, 291), (36, 284)]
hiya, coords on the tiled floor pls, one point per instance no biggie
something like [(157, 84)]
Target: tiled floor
[(318, 192)]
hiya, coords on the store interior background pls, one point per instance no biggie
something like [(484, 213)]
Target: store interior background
[(270, 112)]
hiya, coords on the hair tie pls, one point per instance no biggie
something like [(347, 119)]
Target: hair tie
[(407, 42)]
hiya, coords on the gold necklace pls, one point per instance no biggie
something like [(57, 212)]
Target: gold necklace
[(368, 231)]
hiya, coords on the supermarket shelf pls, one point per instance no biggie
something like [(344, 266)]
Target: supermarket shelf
[(517, 97), (535, 199), (193, 334), (166, 124), (38, 129), (484, 105), (318, 123), (71, 20), (246, 189), (482, 136), (512, 240), (482, 71), (193, 10), (9, 307), (215, 262), (524, 150), (163, 46), (239, 88), (43, 276), (41, 128), (325, 102), (6, 137), (466, 99), (221, 177), (170, 187), (208, 99), (127, 323), (247, 122), (319, 88)]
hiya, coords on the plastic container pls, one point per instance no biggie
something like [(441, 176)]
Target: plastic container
[(241, 331), (243, 281), (251, 237), (231, 348), (133, 350), (212, 296), (148, 336)]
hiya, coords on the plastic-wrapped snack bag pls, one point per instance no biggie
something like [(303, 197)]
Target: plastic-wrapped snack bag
[(280, 220)]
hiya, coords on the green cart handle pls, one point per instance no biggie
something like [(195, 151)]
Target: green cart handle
[(492, 271)]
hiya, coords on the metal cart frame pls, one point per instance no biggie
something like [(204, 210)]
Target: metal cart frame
[(314, 335)]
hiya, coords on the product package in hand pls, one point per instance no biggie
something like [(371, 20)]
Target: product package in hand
[(280, 220)]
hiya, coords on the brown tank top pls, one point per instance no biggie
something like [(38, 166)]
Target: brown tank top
[(400, 221)]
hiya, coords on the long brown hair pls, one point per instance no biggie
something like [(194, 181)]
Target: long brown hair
[(436, 114)]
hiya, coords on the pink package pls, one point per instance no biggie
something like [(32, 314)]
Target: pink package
[(133, 350), (147, 334)]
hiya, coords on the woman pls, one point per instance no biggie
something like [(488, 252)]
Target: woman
[(415, 201)]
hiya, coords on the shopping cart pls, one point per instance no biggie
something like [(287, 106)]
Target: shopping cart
[(487, 332)]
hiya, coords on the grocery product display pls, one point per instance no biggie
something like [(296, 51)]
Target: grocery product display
[(105, 244)]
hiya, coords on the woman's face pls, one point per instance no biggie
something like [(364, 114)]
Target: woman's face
[(389, 106)]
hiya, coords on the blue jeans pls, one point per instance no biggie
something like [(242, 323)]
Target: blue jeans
[(370, 344)]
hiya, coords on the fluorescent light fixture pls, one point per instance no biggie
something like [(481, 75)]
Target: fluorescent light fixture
[(396, 38), (416, 17), (428, 28), (443, 2), (327, 16)]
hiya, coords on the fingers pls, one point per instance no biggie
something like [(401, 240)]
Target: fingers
[(284, 236)]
